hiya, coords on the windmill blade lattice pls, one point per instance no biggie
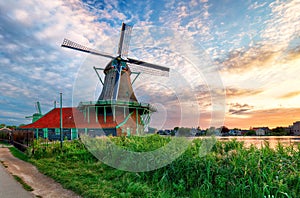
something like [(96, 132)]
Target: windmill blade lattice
[(72, 45), (163, 71), (148, 70), (124, 40)]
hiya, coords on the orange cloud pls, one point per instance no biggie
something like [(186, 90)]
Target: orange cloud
[(235, 92), (270, 118), (263, 56), (290, 95), (239, 109), (243, 60)]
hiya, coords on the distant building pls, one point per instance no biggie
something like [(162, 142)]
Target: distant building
[(244, 132), (193, 131), (4, 129), (261, 130), (288, 130), (235, 132), (296, 128), (5, 133)]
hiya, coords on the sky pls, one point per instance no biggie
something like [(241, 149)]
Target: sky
[(232, 63)]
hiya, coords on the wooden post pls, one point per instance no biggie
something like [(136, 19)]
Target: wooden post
[(61, 122)]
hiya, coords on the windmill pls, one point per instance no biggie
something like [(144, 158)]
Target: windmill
[(38, 113), (117, 104)]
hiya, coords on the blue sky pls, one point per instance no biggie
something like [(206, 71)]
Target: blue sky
[(236, 62)]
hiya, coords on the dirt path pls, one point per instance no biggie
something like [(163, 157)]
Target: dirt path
[(43, 186)]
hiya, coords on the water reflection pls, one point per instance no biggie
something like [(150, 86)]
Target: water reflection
[(259, 141)]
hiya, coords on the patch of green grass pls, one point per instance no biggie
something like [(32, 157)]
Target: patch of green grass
[(229, 170), (18, 154), (4, 143), (25, 186)]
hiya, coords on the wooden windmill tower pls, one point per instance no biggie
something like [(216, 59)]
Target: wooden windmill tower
[(117, 110)]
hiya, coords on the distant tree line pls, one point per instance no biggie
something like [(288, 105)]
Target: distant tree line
[(224, 131), (10, 126)]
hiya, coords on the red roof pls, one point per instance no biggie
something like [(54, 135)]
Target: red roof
[(72, 118)]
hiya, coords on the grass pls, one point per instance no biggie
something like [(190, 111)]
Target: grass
[(19, 154), (4, 143), (229, 170), (25, 186)]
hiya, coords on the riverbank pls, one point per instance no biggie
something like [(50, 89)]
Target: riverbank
[(260, 141)]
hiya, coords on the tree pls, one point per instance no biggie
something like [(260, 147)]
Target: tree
[(279, 131), (11, 127), (185, 132), (251, 133), (172, 133), (224, 129)]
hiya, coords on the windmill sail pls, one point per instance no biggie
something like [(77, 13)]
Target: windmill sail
[(72, 45), (148, 70), (123, 53), (124, 40), (150, 67)]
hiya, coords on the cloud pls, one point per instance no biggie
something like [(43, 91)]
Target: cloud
[(189, 17), (265, 117), (273, 42), (243, 60), (237, 105), (283, 25), (236, 92), (256, 5), (239, 109), (22, 16), (238, 112), (32, 62), (290, 95)]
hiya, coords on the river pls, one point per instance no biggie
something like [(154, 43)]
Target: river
[(259, 141)]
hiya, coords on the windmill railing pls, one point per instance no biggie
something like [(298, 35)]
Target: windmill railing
[(117, 103)]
